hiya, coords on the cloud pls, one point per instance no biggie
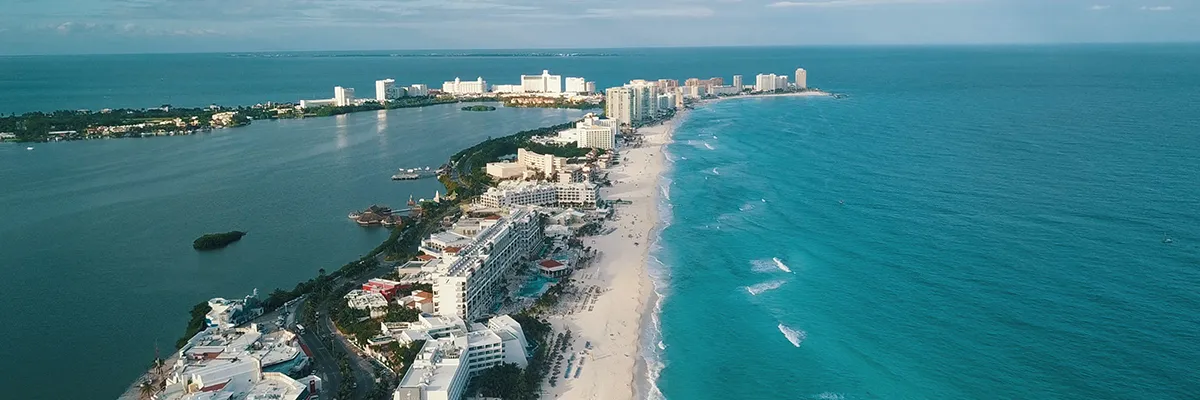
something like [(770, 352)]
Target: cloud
[(686, 12), (1099, 7), (852, 3), (128, 29), (1156, 8)]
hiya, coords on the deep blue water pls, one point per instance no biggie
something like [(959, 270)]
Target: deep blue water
[(978, 224), (1001, 235)]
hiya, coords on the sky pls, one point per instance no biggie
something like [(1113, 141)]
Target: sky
[(172, 26)]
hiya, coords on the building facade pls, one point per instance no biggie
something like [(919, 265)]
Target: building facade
[(547, 164), (419, 89), (343, 97), (576, 85), (737, 82), (544, 83), (801, 78), (468, 284), (385, 90), (459, 86), (766, 83), (644, 105), (618, 104)]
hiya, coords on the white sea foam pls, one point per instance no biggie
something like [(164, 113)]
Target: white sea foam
[(757, 289), (763, 266), (781, 265), (746, 207), (714, 171), (829, 396), (709, 146), (795, 336)]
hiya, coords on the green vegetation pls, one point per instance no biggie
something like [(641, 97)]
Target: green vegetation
[(399, 313), (479, 108), (215, 241), (81, 124), (550, 102), (469, 163), (195, 325)]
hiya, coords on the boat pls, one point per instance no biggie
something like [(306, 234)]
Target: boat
[(354, 215), (1167, 239), (29, 148), (405, 176)]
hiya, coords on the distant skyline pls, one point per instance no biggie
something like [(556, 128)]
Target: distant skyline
[(156, 26)]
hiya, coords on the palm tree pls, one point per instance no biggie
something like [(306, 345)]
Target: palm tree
[(146, 390)]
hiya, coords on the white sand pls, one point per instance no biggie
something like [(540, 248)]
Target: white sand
[(613, 326)]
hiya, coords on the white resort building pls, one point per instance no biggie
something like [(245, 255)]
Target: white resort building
[(458, 86), (524, 193), (237, 364), (544, 83), (467, 283), (454, 352), (576, 85)]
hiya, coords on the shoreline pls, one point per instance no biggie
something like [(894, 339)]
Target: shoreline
[(615, 367)]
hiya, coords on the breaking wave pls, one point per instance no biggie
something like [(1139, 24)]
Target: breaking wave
[(793, 335), (756, 289), (781, 265)]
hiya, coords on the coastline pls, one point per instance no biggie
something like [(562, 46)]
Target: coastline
[(615, 366)]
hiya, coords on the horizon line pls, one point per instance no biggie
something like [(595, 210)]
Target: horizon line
[(542, 49)]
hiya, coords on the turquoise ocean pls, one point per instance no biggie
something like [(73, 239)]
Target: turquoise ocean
[(966, 222), (987, 226)]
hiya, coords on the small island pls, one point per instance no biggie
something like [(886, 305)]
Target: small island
[(215, 241), (479, 108)]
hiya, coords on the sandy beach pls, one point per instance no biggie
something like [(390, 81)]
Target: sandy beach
[(611, 319)]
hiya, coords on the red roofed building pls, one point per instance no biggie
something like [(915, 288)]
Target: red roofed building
[(552, 268), (387, 288), (419, 300)]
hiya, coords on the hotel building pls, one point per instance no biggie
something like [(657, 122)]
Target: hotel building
[(385, 90), (467, 283), (590, 87), (458, 86), (737, 82), (547, 164), (419, 89), (576, 85), (644, 103), (801, 78), (618, 104), (593, 132), (766, 83), (514, 194), (343, 97), (544, 83)]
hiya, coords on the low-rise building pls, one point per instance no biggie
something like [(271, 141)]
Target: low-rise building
[(547, 164), (385, 287), (373, 302), (224, 313), (505, 170)]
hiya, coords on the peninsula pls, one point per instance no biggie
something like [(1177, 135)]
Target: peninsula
[(213, 241), (527, 279)]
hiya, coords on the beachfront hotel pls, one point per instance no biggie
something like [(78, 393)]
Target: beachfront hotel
[(524, 193), (467, 283), (454, 352), (594, 132), (644, 100), (618, 104), (801, 78), (459, 86), (737, 82), (544, 83)]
